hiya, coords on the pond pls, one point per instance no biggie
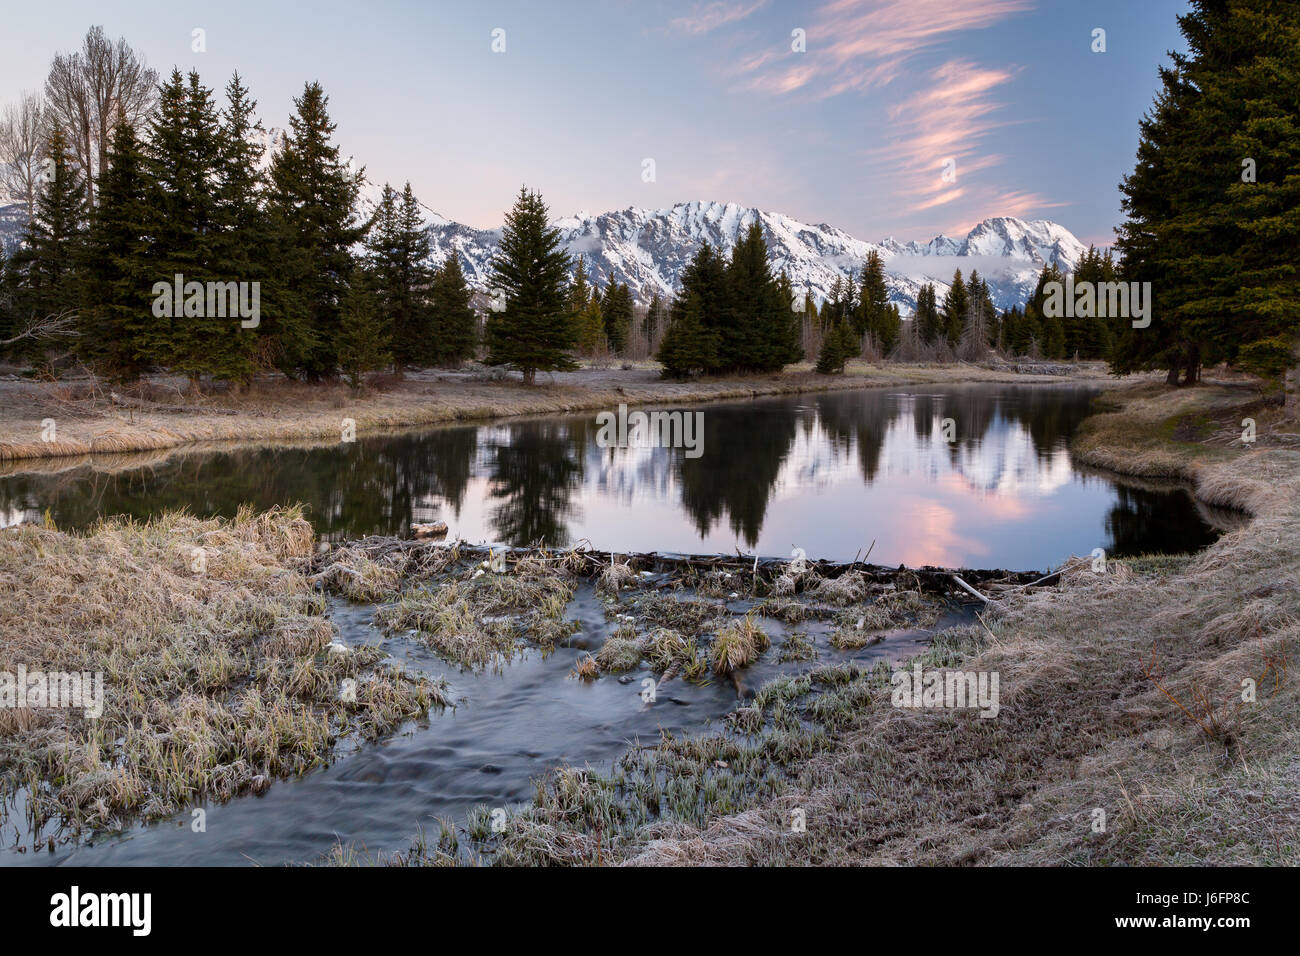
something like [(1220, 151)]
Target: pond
[(963, 476), (829, 473)]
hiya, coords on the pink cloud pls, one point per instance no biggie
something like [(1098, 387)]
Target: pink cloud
[(855, 45)]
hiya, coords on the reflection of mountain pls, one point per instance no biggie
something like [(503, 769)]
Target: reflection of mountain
[(535, 471)]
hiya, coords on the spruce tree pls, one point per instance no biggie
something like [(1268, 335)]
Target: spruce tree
[(362, 339), (313, 200), (536, 330), (688, 347), (955, 304), (929, 325), (47, 263), (616, 310), (455, 325), (840, 343), (1213, 204), (654, 317), (397, 253), (872, 315), (117, 310)]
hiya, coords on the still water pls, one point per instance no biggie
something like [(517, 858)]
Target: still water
[(835, 474)]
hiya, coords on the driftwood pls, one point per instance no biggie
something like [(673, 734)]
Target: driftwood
[(588, 562)]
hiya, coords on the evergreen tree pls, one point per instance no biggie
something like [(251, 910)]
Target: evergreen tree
[(536, 328), (616, 310), (455, 326), (362, 339), (397, 261), (758, 331), (929, 324), (46, 264), (313, 201), (116, 314), (688, 347), (591, 328), (1213, 204), (654, 317), (955, 305), (580, 291), (840, 343), (873, 313)]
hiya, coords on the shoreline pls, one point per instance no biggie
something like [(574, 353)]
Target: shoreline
[(295, 412)]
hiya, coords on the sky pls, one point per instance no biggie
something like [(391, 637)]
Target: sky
[(904, 118)]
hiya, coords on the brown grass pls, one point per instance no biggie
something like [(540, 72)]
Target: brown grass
[(1120, 692), (218, 674)]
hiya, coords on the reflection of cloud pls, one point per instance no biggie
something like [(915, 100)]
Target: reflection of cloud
[(710, 16), (863, 44)]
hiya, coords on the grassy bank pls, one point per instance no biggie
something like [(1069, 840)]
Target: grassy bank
[(1125, 733), (92, 422), (219, 670)]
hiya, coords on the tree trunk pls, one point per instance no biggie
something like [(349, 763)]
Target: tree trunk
[(530, 376), (1172, 377), (1291, 382)]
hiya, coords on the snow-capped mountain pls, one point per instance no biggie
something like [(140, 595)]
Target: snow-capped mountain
[(649, 248)]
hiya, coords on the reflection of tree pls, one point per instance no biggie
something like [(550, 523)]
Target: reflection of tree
[(369, 487), (1143, 520), (535, 472), (743, 453), (859, 420)]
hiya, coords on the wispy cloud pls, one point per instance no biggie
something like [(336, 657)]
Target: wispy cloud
[(864, 44), (936, 144), (709, 16)]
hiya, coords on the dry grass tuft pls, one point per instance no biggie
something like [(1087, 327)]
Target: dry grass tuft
[(214, 651)]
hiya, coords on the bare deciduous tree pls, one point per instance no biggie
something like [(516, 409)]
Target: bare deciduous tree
[(88, 90), (22, 147)]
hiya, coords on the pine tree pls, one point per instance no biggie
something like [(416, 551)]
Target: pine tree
[(688, 346), (955, 304), (654, 317), (455, 325), (536, 328), (872, 316), (591, 328), (116, 312), (929, 325), (616, 310), (840, 343), (397, 253), (47, 262), (362, 340), (758, 331), (1213, 204), (580, 291), (313, 202)]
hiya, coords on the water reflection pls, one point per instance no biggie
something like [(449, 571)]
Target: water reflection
[(830, 473)]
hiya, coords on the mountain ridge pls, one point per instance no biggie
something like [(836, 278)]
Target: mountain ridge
[(648, 248)]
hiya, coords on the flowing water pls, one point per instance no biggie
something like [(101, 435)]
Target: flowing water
[(833, 474)]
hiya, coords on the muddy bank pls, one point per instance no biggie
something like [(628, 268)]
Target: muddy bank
[(94, 421)]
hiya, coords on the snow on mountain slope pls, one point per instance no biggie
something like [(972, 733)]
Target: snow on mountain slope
[(649, 248)]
